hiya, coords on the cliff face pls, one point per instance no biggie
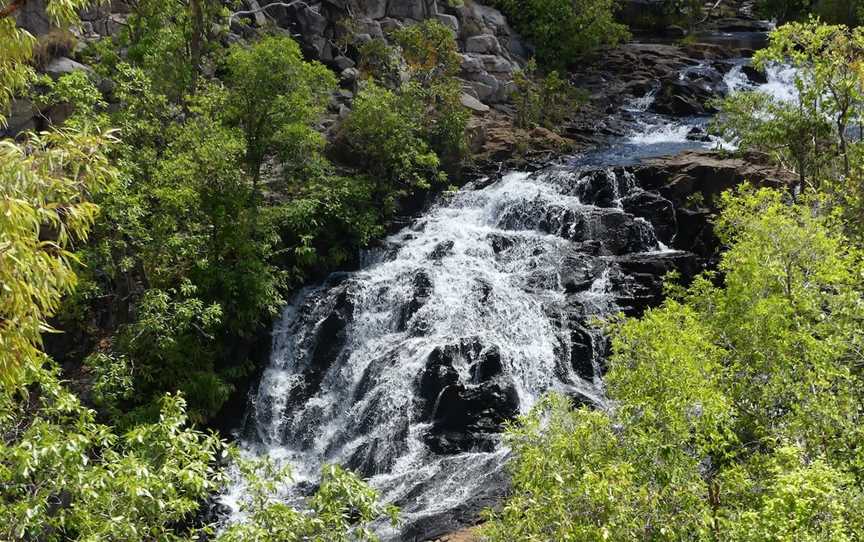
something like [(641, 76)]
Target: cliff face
[(491, 49)]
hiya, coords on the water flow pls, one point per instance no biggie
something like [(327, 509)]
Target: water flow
[(405, 370)]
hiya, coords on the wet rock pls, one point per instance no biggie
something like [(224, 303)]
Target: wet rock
[(603, 187), (421, 290), (674, 32), (753, 75), (707, 172), (656, 209), (616, 231), (578, 272), (442, 250), (742, 25), (465, 414), (582, 351), (640, 283)]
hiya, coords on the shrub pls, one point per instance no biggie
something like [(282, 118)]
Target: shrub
[(380, 62), (429, 49), (385, 131), (543, 101), (57, 42)]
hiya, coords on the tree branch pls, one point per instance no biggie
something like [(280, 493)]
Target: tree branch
[(264, 8), (13, 6)]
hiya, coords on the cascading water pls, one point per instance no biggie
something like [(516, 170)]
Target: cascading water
[(406, 369)]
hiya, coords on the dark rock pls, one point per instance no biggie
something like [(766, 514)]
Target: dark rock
[(707, 172), (578, 272), (21, 117), (640, 283), (465, 415), (582, 351), (443, 249), (656, 209), (407, 9), (421, 290), (674, 32), (753, 75), (343, 63), (374, 9), (742, 25)]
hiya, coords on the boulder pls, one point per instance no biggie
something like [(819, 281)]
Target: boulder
[(21, 117), (639, 284), (449, 21), (656, 209), (407, 9), (473, 103), (61, 66), (485, 43), (753, 75), (343, 63), (466, 414), (374, 9), (674, 32)]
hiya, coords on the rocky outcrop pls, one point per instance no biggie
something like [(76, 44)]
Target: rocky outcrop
[(692, 182), (491, 49)]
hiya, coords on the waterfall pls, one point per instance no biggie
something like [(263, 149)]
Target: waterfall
[(406, 369)]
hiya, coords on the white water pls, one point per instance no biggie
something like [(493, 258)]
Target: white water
[(499, 285), (365, 412)]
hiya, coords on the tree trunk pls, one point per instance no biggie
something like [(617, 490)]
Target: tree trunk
[(196, 14)]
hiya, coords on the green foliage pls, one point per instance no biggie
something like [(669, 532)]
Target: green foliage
[(385, 132), (430, 52), (811, 136), (564, 30), (341, 508), (18, 45), (425, 111), (848, 12), (429, 48), (735, 410), (274, 96), (380, 62), (65, 477), (797, 139), (545, 101), (44, 209)]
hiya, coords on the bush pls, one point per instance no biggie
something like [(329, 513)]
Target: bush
[(385, 132), (543, 101), (57, 42), (564, 30), (734, 411)]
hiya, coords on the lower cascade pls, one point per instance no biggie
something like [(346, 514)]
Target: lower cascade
[(406, 370)]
